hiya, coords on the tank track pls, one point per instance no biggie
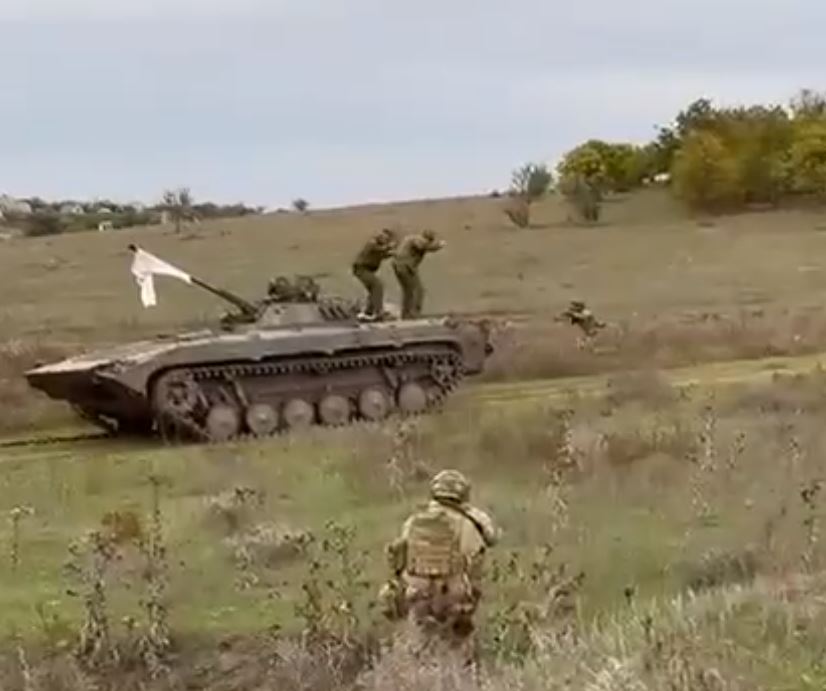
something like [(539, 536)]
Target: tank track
[(437, 369)]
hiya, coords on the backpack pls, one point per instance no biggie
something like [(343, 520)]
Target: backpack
[(433, 544)]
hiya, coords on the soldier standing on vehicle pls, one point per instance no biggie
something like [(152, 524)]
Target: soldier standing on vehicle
[(406, 267), (366, 265), (437, 563)]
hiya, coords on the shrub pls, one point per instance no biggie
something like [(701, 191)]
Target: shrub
[(529, 183), (44, 223), (584, 195), (301, 205), (532, 181), (518, 211)]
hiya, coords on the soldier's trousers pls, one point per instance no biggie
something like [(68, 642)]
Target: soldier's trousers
[(412, 291), (375, 289), (442, 612)]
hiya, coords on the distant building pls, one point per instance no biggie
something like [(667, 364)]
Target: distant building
[(71, 209), (105, 210), (103, 226)]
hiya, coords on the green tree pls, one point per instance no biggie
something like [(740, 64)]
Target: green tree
[(301, 205), (705, 173), (586, 162), (808, 158), (759, 138)]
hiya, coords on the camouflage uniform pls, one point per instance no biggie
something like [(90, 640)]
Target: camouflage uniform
[(437, 563), (366, 265), (579, 315), (406, 267)]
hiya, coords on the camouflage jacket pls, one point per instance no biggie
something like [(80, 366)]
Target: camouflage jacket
[(474, 531), (412, 250), (374, 252)]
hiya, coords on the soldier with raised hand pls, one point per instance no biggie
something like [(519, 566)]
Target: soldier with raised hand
[(366, 265), (412, 251), (437, 563)]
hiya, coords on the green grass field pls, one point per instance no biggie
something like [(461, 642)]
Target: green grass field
[(687, 500)]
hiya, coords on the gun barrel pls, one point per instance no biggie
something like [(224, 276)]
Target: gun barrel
[(240, 303)]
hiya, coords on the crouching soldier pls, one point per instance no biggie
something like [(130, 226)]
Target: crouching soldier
[(437, 564)]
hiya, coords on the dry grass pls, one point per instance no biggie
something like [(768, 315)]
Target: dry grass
[(21, 408)]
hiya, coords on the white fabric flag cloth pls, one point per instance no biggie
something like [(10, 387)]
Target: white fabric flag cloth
[(145, 266)]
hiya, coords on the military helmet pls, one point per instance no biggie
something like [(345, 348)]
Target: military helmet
[(429, 235), (577, 305), (388, 234), (450, 485)]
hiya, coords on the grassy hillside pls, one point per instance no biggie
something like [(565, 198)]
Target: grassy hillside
[(645, 258), (675, 290)]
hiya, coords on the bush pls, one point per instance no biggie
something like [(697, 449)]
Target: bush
[(532, 181), (301, 205), (586, 163), (529, 183), (44, 223), (616, 167), (518, 211), (584, 195), (808, 158), (705, 173)]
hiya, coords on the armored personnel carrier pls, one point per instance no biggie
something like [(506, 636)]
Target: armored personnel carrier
[(292, 360)]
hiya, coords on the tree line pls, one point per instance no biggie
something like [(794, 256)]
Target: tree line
[(714, 158)]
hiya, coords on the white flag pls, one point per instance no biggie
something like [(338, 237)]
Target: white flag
[(144, 268)]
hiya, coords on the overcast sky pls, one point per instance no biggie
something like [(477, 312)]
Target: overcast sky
[(349, 101)]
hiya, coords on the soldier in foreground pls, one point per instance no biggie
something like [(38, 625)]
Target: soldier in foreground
[(406, 267), (437, 563), (366, 265)]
